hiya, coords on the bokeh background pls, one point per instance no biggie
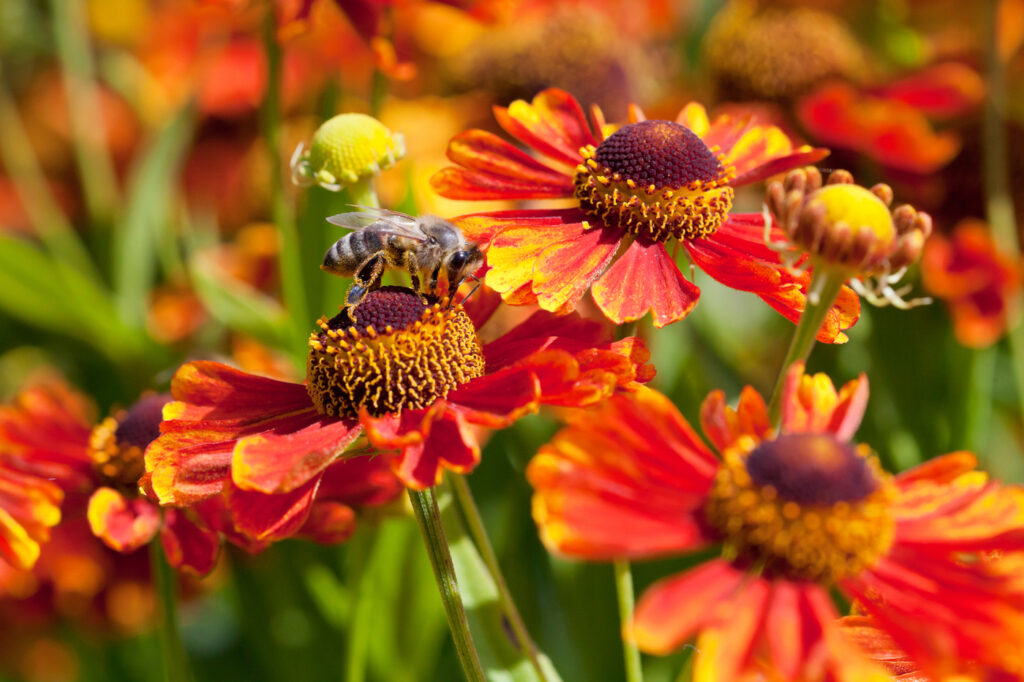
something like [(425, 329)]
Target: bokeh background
[(144, 183)]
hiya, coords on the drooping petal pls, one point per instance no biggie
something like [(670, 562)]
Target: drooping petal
[(124, 525), (279, 463), (498, 398), (566, 268), (672, 610), (363, 481), (737, 255), (187, 545), (450, 445), (553, 124), (625, 479), (272, 517), (544, 331), (328, 523), (645, 278), (491, 168), (216, 406)]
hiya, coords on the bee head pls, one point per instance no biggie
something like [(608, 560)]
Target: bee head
[(464, 262)]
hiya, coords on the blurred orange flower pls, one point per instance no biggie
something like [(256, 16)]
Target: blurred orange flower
[(638, 190), (980, 284), (798, 511)]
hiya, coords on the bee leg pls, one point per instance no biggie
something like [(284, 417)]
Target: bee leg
[(434, 276), (367, 276), (471, 291), (413, 268)]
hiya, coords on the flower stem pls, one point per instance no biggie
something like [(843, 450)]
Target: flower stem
[(363, 194), (471, 513), (362, 586), (824, 288), (175, 661), (998, 198), (624, 590), (293, 288), (428, 516)]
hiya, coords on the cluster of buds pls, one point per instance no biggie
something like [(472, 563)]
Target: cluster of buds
[(842, 225)]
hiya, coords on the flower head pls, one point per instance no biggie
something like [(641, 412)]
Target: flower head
[(640, 189), (844, 226), (797, 512), (346, 149), (412, 377), (981, 285)]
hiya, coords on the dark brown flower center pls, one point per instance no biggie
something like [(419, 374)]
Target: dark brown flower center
[(117, 444), (655, 178), (805, 506), (393, 352)]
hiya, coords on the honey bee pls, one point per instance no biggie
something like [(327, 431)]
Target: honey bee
[(425, 246)]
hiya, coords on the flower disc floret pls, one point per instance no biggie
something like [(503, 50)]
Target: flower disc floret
[(655, 178), (346, 149), (393, 353), (803, 506), (117, 444)]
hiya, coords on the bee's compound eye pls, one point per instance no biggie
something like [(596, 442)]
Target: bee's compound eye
[(459, 260)]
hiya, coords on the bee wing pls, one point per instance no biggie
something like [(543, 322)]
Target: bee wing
[(360, 220)]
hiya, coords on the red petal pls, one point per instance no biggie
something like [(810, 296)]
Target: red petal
[(553, 124), (567, 268), (361, 481), (497, 399), (672, 610), (187, 545), (543, 331), (277, 463), (493, 169), (329, 523), (211, 390), (271, 517), (727, 648), (122, 524), (723, 425), (449, 445), (940, 91), (645, 278)]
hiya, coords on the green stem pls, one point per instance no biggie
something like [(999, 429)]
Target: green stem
[(363, 194), (475, 523), (998, 198), (362, 584), (981, 367), (293, 288), (175, 661), (827, 283), (428, 516), (95, 168), (624, 591)]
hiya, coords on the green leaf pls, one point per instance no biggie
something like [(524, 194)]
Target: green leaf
[(150, 188), (237, 305)]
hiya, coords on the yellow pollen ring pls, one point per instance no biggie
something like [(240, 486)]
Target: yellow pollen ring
[(120, 465), (347, 369), (692, 211), (822, 543)]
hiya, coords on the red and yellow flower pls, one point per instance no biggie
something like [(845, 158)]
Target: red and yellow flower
[(981, 284), (638, 190), (797, 512), (411, 377), (51, 451)]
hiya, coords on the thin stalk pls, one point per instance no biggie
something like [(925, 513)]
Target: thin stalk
[(173, 652), (362, 587), (827, 283), (293, 288), (998, 198), (95, 167), (475, 523), (624, 591), (52, 226), (363, 194), (428, 516), (981, 369)]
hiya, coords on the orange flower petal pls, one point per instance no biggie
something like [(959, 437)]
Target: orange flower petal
[(810, 404), (490, 168), (728, 646), (673, 609), (187, 545), (645, 278), (498, 398), (329, 523), (271, 517), (449, 445), (124, 525), (553, 124), (624, 479), (280, 462), (723, 425), (941, 91), (566, 268), (362, 481)]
